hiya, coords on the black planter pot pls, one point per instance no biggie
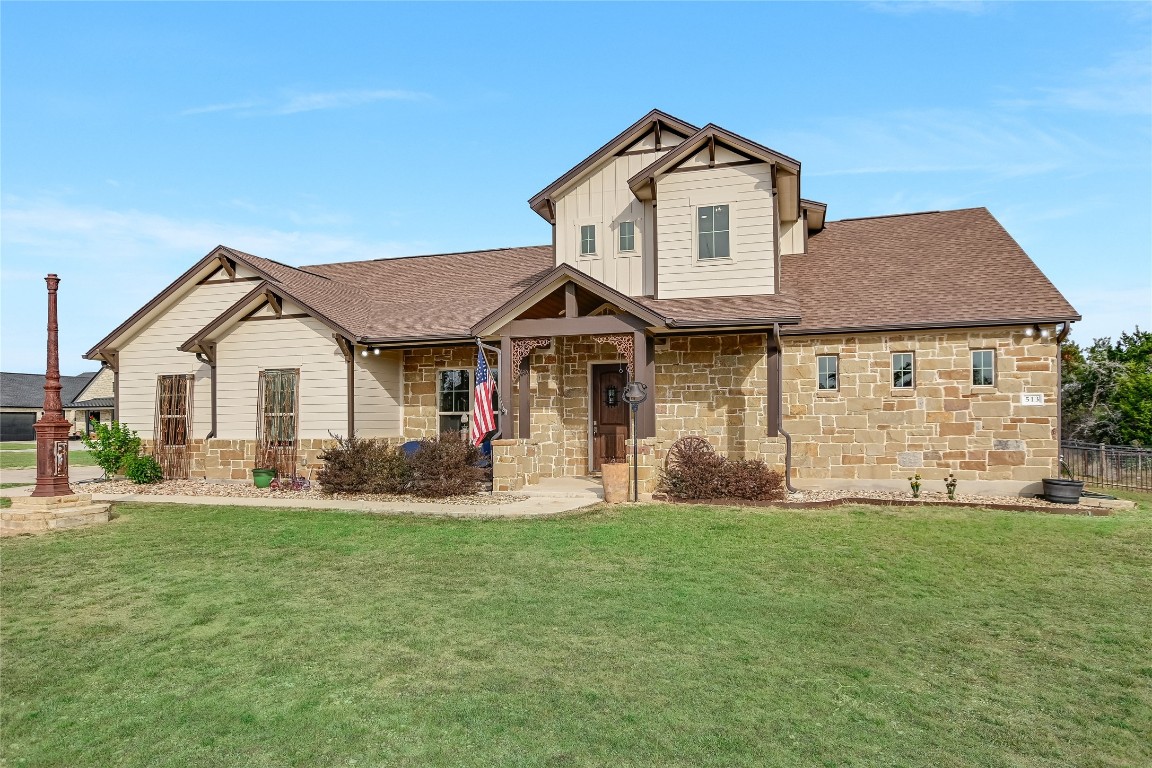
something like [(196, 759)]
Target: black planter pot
[(1060, 491)]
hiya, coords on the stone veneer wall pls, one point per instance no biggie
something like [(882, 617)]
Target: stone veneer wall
[(421, 411), (868, 431), (225, 459)]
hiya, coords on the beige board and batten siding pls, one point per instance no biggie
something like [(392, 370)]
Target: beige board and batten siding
[(792, 240), (153, 351), (748, 190), (252, 346), (602, 197), (379, 394)]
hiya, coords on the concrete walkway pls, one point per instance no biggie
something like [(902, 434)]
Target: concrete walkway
[(543, 501)]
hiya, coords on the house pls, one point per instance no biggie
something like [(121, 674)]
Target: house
[(85, 397), (852, 352)]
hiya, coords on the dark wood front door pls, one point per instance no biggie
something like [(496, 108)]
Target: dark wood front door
[(609, 414)]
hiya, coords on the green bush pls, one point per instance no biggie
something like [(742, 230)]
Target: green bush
[(112, 445), (354, 465), (143, 470)]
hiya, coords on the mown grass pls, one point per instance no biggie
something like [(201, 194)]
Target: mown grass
[(21, 445), (27, 459), (645, 636)]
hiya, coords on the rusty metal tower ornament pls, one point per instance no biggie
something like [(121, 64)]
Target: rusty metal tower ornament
[(52, 429)]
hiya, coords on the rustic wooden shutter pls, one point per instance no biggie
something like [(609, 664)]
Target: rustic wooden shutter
[(173, 425), (277, 408)]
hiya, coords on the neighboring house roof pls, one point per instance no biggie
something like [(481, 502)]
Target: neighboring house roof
[(923, 270), (95, 404), (26, 390)]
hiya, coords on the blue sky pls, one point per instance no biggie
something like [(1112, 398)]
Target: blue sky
[(137, 136)]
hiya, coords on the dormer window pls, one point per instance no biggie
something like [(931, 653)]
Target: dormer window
[(713, 231), (588, 240), (627, 236)]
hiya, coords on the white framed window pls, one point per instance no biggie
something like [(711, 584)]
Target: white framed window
[(454, 398), (627, 236), (713, 228), (587, 239), (827, 372), (903, 370), (983, 368)]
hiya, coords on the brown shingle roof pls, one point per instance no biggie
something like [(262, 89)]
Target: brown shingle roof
[(442, 295), (937, 269)]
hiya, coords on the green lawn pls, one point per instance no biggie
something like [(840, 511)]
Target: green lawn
[(648, 636), (25, 445), (27, 459)]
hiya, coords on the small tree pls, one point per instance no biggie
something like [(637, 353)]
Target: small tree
[(112, 446)]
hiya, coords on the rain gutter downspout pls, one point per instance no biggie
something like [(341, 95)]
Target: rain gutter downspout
[(780, 411)]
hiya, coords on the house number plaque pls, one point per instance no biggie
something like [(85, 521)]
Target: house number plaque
[(1032, 398)]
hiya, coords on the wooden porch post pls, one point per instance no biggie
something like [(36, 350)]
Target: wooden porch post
[(644, 362), (505, 383), (524, 414)]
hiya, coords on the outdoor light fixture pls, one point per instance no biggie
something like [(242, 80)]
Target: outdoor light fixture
[(376, 351), (1031, 331), (364, 352)]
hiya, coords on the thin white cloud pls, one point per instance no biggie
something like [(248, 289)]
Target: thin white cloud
[(934, 142), (909, 7), (310, 102), (294, 103), (1121, 87)]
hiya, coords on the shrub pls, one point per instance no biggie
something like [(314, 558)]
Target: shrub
[(354, 465), (143, 470), (112, 445), (753, 480), (695, 471), (445, 466)]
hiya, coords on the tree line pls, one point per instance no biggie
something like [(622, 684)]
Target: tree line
[(1106, 390)]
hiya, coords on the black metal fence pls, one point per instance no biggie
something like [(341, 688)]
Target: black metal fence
[(1109, 466)]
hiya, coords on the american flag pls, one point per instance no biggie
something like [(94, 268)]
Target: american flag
[(483, 418)]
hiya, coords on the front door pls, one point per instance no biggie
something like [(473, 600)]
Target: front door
[(609, 414)]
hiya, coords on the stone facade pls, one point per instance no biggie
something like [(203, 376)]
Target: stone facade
[(863, 434), (868, 431), (224, 459), (421, 367)]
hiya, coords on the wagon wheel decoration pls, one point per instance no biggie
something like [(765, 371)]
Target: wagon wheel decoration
[(684, 450)]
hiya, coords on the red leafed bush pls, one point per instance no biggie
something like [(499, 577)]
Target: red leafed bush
[(445, 466), (695, 471)]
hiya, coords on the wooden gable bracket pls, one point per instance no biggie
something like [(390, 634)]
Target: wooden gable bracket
[(571, 308), (229, 266), (712, 151), (112, 357), (274, 302), (347, 348), (656, 128)]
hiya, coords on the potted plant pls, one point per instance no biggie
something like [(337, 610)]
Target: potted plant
[(914, 482), (950, 486), (262, 478), (614, 473), (1061, 491)]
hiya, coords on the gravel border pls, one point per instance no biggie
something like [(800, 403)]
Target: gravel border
[(249, 491)]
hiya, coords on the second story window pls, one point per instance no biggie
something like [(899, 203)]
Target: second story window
[(713, 227), (826, 373), (588, 240), (903, 370), (627, 236)]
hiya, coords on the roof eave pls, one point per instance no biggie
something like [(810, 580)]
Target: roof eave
[(983, 323)]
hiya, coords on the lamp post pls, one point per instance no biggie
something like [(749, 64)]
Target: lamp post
[(52, 429), (635, 393)]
